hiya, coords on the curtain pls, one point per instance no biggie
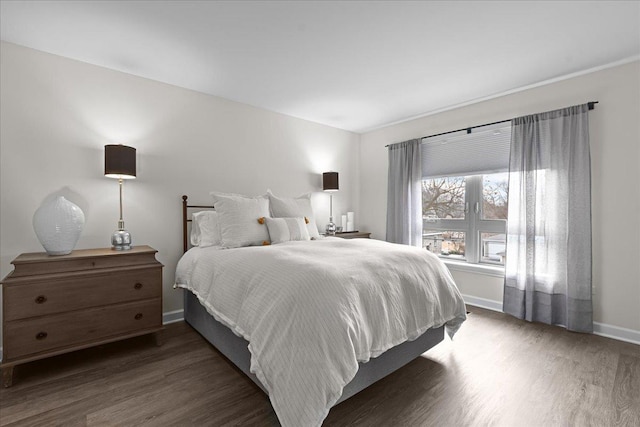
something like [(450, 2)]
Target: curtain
[(404, 193), (548, 254)]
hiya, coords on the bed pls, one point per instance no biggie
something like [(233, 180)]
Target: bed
[(276, 348)]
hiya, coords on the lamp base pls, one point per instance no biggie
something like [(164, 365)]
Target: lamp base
[(331, 228), (121, 240)]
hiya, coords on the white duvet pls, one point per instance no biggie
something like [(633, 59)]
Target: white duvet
[(312, 310)]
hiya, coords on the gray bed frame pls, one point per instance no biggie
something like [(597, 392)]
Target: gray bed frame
[(236, 350)]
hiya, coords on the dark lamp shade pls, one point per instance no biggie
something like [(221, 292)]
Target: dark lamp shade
[(119, 161), (330, 181)]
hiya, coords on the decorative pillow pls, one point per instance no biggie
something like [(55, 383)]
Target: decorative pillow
[(205, 229), (237, 216), (287, 229), (289, 207)]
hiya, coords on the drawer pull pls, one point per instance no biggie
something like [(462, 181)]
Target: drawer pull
[(138, 316), (41, 335), (41, 299), (138, 285)]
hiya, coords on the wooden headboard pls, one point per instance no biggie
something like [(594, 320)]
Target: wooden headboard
[(186, 220)]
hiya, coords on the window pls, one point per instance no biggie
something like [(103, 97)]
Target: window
[(464, 217), (464, 206)]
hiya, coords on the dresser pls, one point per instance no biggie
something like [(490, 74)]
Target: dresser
[(57, 304)]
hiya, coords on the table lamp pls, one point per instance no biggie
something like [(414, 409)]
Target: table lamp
[(330, 184), (120, 163)]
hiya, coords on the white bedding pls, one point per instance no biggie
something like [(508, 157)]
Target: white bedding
[(311, 310)]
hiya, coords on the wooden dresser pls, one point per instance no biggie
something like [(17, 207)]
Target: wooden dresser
[(56, 304)]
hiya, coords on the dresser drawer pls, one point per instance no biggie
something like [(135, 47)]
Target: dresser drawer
[(32, 336), (52, 296)]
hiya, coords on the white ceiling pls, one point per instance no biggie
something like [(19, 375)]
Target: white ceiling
[(352, 65)]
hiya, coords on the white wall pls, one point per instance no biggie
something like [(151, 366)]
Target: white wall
[(615, 153), (57, 114)]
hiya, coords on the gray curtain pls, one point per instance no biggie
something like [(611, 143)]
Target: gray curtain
[(548, 256), (404, 193)]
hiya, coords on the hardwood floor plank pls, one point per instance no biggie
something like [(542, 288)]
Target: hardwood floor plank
[(626, 391), (498, 371)]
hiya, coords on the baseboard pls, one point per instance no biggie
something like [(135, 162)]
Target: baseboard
[(172, 316), (602, 329), (483, 303), (616, 332)]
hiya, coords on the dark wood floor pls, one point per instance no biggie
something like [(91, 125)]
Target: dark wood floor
[(498, 371)]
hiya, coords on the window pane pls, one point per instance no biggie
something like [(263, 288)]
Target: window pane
[(444, 243), (495, 188), (443, 198), (493, 247)]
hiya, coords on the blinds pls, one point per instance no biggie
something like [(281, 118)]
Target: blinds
[(484, 150)]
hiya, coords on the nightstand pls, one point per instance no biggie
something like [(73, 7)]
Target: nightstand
[(57, 304), (353, 235)]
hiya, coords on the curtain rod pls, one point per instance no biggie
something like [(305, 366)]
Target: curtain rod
[(590, 104)]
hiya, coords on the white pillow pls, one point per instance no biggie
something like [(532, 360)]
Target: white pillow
[(287, 229), (238, 218), (195, 231), (205, 229), (289, 207)]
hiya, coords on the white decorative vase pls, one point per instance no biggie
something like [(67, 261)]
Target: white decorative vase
[(58, 225)]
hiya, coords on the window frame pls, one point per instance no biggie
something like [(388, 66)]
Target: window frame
[(473, 224)]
